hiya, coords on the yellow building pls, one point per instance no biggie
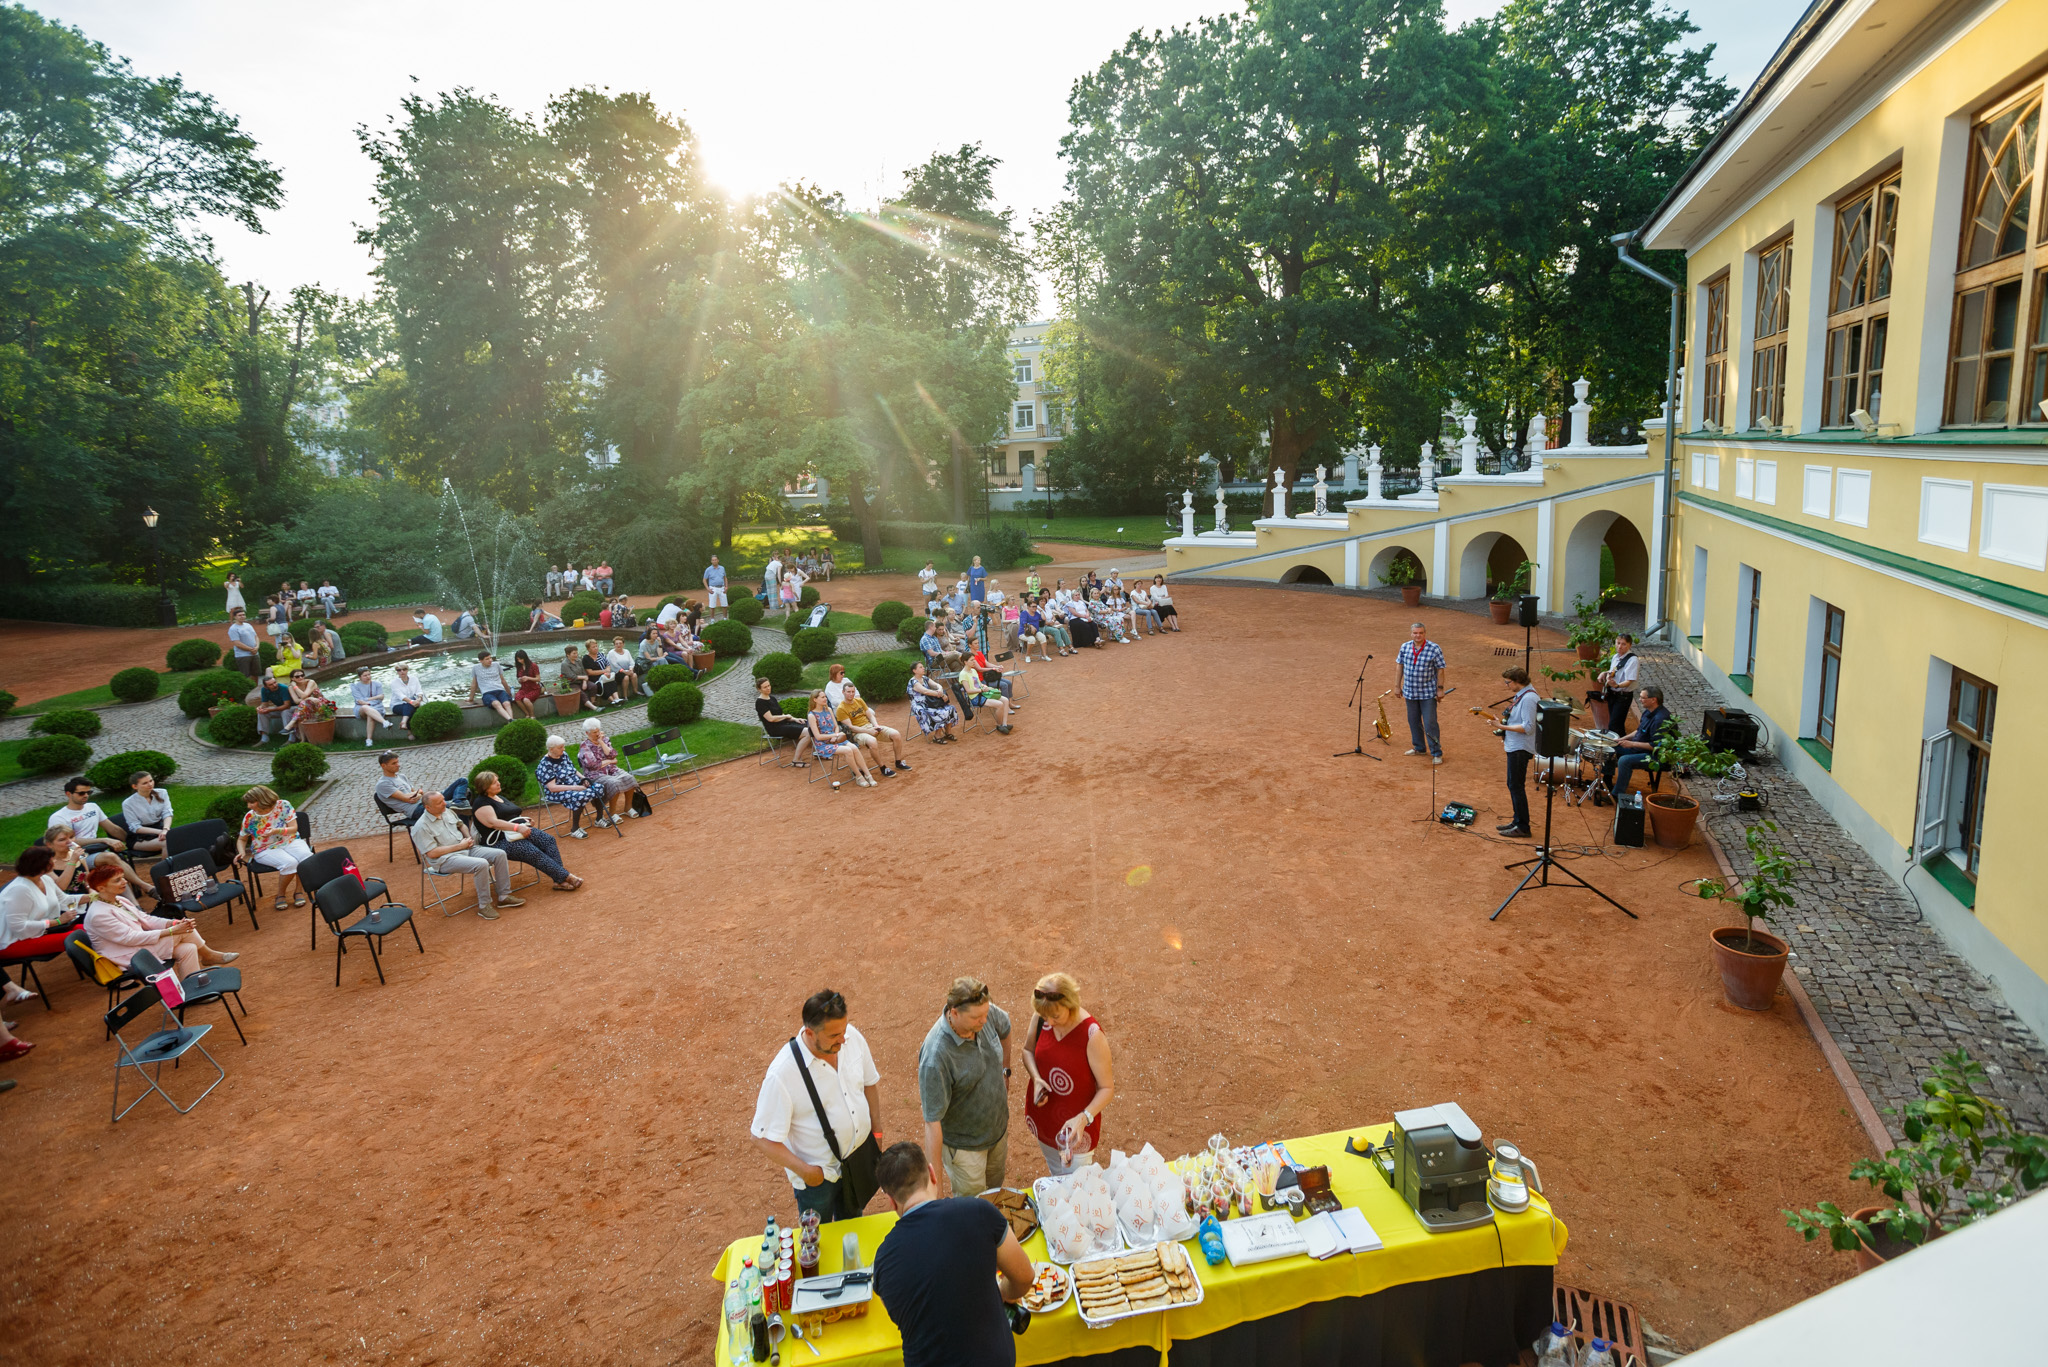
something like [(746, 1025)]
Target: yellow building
[(1036, 420)]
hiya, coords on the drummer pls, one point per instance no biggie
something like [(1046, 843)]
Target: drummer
[(1617, 691), (1632, 751)]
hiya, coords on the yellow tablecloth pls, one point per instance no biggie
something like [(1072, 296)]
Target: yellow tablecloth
[(1230, 1295)]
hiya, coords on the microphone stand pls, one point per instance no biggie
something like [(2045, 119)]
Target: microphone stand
[(1358, 702)]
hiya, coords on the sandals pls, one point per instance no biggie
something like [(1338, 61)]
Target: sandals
[(279, 904)]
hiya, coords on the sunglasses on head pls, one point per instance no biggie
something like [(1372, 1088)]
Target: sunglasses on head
[(1042, 995)]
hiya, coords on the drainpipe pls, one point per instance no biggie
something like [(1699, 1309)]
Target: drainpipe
[(1622, 242)]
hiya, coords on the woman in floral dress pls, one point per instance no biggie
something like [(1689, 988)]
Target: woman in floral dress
[(565, 786), (600, 761)]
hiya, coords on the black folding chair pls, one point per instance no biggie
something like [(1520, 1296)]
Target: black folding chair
[(337, 898), (171, 876), (394, 822), (193, 835), (323, 868), (970, 715), (159, 1047), (674, 751), (75, 945), (27, 964), (643, 761), (207, 985)]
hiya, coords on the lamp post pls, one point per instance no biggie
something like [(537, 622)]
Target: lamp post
[(166, 615)]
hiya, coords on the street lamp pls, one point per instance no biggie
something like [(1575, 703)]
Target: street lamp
[(166, 615)]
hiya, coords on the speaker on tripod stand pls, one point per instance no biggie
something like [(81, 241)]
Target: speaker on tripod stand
[(1553, 729), (1525, 611)]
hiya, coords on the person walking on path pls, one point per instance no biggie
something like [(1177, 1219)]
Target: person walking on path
[(1422, 684), (963, 1072)]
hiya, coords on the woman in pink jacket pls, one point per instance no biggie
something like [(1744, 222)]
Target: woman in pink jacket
[(117, 928)]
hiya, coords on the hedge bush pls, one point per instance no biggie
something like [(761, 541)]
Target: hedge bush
[(510, 620), (889, 614), (729, 638), (192, 653), (7, 702), (371, 632), (437, 720), (524, 739), (745, 607), (1000, 546), (512, 771), (135, 685), (885, 678), (813, 644), (234, 725), (266, 655), (300, 765), (67, 721), (781, 668), (110, 775), (100, 605), (214, 688), (584, 605), (48, 754), (229, 807), (302, 631), (808, 597), (920, 536), (910, 630), (676, 704), (661, 676)]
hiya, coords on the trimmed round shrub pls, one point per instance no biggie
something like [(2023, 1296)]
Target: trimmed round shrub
[(807, 598), (676, 704), (781, 668), (234, 725), (111, 774), (510, 620), (48, 754), (745, 607), (302, 630), (511, 770), (524, 739), (266, 654), (661, 676), (813, 644), (300, 765), (135, 685), (436, 720), (729, 638), (910, 629), (885, 678), (230, 808), (191, 654), (889, 614), (372, 632), (214, 688), (7, 702), (67, 721), (584, 605)]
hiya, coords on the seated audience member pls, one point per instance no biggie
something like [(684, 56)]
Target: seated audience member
[(1142, 612), (446, 846), (306, 700), (599, 761), (1031, 630), (405, 696), (147, 812), (935, 713), (554, 581), (306, 599), (429, 628), (290, 658), (35, 915), (777, 723), (601, 683), (835, 686), (500, 823), (867, 731), (369, 700), (487, 681), (93, 829), (981, 695), (526, 674), (71, 861), (957, 600), (270, 838), (565, 785), (653, 651), (993, 676), (934, 647), (1633, 751), (623, 618), (329, 596), (1056, 624), (604, 616), (828, 740), (273, 704), (318, 653), (401, 793), (826, 564), (626, 668), (326, 633), (117, 928), (571, 672), (465, 625), (1162, 603), (670, 610), (540, 619)]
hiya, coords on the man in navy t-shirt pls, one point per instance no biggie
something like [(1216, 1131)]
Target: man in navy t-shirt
[(945, 1270)]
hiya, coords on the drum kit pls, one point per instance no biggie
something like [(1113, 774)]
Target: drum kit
[(1578, 774)]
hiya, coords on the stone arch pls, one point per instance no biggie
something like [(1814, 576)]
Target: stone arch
[(1305, 574), (1488, 556), (1384, 556), (1603, 529)]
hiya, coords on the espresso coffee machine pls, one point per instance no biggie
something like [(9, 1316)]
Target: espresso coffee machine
[(1440, 1167)]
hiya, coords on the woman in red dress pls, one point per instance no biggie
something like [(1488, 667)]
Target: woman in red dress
[(1071, 1078), (528, 674)]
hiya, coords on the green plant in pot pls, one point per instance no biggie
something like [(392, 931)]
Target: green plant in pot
[(1673, 813), (1590, 633), (1750, 962), (1508, 590), (1963, 1159), (1404, 572), (316, 721)]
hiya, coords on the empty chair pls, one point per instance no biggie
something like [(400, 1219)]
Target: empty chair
[(325, 866), (198, 989), (394, 822), (190, 884), (1019, 687), (675, 753), (166, 1045), (193, 835), (339, 898)]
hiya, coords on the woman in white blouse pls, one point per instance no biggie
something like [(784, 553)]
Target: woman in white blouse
[(405, 696), (35, 913)]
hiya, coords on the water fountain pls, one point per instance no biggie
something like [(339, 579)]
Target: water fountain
[(507, 573)]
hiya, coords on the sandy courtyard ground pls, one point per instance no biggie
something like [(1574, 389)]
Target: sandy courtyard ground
[(530, 1146)]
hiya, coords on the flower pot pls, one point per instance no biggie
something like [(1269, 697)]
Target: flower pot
[(1591, 650), (317, 732), (1748, 977), (567, 704), (1671, 819), (1411, 594), (1499, 609), (1882, 1247), (703, 659)]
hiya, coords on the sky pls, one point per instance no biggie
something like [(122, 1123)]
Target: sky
[(847, 97)]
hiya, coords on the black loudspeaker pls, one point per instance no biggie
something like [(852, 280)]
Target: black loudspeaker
[(1525, 611), (1553, 728), (1727, 728), (1628, 820)]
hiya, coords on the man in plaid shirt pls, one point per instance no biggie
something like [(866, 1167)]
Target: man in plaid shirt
[(1422, 683)]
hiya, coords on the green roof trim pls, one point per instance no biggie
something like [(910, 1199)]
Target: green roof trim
[(1822, 756), (1991, 590), (1745, 683), (1953, 880)]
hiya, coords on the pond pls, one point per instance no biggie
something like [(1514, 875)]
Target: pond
[(441, 675)]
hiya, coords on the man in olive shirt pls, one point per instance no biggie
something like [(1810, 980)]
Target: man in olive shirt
[(963, 1072)]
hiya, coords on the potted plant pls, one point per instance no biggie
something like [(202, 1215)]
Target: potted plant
[(1591, 634), (1673, 814), (1749, 961), (1404, 572), (316, 722), (568, 698), (1963, 1159), (1508, 590)]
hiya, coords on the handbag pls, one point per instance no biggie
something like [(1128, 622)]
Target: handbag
[(104, 970)]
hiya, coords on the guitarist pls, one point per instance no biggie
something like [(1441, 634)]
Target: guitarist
[(1518, 738), (1618, 683)]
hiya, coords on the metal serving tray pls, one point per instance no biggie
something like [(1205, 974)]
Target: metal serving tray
[(1194, 1268)]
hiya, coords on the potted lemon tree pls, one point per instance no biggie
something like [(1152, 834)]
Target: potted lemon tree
[(1404, 572), (1674, 813), (1507, 591), (1590, 633), (1750, 962)]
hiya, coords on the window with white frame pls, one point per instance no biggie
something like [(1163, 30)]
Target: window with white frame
[(1025, 418), (1767, 481), (1745, 477), (1818, 499), (1859, 301), (1714, 372), (1945, 512), (1773, 332), (2015, 525), (1998, 329), (1852, 497), (1021, 368)]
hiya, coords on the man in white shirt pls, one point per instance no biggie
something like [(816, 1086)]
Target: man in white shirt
[(329, 596), (714, 585), (89, 825), (1617, 692), (833, 1174), (669, 612), (928, 582), (242, 639)]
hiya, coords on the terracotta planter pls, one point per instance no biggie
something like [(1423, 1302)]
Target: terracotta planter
[(1886, 1248), (1592, 650), (702, 659), (1499, 611), (1750, 979), (1411, 594), (317, 732), (567, 704), (1671, 818)]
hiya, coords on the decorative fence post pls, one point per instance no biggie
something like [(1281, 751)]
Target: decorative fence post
[(1372, 473), (1427, 468), (1538, 430), (1279, 492), (1351, 468), (1322, 491), (1222, 511), (1468, 446), (1187, 513), (1582, 414)]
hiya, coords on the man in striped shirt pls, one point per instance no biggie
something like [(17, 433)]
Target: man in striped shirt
[(1422, 683)]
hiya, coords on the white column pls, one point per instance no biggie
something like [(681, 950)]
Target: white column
[(1582, 414), (1351, 469), (1351, 564), (1440, 561), (1187, 513), (1027, 475), (1279, 492), (1427, 468), (1222, 512), (1538, 435), (1373, 473), (1653, 599), (1546, 530), (1468, 446)]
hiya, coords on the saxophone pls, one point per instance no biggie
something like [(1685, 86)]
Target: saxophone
[(1383, 728)]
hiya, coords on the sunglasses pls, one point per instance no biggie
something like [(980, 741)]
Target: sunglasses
[(1041, 994)]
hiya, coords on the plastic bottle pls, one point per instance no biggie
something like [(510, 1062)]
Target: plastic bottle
[(1211, 1236), (1554, 1347), (739, 1340), (1599, 1353)]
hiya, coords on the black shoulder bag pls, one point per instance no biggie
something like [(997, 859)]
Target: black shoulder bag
[(856, 1171)]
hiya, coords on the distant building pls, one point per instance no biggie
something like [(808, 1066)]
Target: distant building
[(1037, 418), (322, 423)]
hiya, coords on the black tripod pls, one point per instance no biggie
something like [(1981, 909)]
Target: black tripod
[(1545, 861), (1358, 701)]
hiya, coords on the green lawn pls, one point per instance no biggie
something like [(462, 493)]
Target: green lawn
[(1133, 529), (188, 803), (817, 675), (168, 685), (835, 620), (9, 770)]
